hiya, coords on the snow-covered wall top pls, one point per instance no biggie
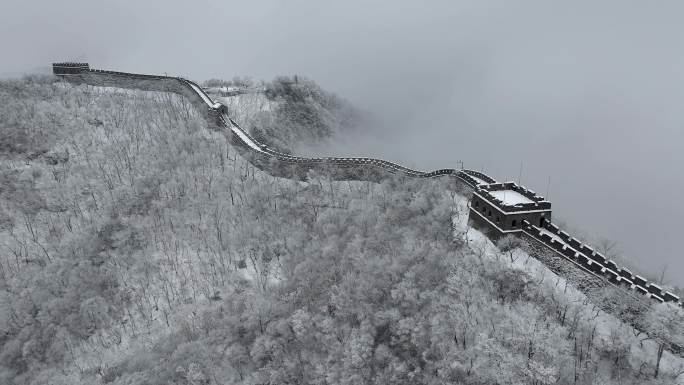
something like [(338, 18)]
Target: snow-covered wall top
[(533, 202)]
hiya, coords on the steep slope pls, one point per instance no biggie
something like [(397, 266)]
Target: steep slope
[(122, 260)]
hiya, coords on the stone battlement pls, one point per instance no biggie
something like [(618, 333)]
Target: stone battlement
[(536, 202), (585, 255), (69, 68), (502, 208)]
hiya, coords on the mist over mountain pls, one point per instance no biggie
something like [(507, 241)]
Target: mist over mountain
[(585, 93), (146, 239)]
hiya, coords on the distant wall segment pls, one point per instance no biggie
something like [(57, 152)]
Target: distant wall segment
[(69, 68)]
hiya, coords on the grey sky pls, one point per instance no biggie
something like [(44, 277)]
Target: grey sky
[(587, 92)]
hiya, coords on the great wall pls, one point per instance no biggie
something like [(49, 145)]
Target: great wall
[(522, 212)]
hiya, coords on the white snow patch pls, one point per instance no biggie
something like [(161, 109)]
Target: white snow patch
[(251, 143), (510, 197)]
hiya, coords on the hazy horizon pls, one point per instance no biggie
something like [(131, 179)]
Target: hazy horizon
[(585, 93)]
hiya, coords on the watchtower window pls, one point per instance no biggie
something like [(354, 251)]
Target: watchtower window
[(498, 219), (514, 223), (477, 204), (489, 214)]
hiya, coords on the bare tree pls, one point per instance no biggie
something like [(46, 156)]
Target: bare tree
[(509, 244)]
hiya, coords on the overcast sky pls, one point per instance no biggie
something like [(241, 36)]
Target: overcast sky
[(588, 93)]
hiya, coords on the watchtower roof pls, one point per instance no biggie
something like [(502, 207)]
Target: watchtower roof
[(511, 197)]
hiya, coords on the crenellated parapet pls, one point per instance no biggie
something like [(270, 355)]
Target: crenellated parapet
[(480, 175), (501, 208), (519, 198), (586, 256)]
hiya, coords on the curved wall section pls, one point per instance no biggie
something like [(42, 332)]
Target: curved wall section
[(367, 169), (264, 158)]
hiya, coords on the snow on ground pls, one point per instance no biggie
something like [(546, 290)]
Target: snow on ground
[(605, 323), (189, 299), (101, 350), (510, 197), (131, 92)]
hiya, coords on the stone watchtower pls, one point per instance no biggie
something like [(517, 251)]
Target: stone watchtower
[(502, 207), (69, 68)]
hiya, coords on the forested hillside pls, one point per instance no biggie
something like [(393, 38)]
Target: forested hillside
[(290, 112), (138, 247)]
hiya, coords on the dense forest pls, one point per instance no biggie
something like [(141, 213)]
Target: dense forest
[(138, 247)]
